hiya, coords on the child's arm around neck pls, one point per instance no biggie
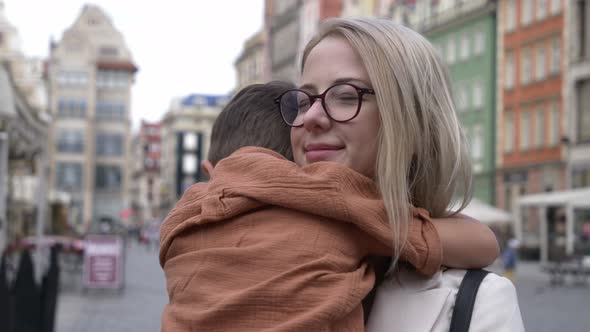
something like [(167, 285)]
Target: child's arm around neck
[(466, 243)]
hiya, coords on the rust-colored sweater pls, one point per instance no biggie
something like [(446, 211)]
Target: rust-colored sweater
[(270, 246)]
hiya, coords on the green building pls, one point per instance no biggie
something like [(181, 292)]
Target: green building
[(465, 36)]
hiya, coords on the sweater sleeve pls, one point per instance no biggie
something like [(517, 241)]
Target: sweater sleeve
[(423, 249)]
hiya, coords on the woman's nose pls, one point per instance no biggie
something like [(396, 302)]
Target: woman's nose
[(316, 117)]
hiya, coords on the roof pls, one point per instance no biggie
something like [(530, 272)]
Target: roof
[(204, 100), (576, 197), (117, 65)]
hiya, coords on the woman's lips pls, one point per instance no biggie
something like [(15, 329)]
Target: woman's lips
[(321, 152)]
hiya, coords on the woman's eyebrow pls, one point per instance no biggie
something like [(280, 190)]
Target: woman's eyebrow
[(350, 80), (312, 88), (307, 87)]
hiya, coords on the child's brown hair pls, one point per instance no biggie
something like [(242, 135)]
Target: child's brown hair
[(251, 118)]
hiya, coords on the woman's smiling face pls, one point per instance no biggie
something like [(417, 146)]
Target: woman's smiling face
[(352, 143)]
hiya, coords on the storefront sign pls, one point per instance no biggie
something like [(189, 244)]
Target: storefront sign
[(103, 261)]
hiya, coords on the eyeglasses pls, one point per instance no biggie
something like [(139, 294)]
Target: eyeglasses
[(341, 102)]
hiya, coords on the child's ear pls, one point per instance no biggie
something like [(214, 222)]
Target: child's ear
[(207, 168)]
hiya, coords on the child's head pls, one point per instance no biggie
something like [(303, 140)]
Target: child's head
[(251, 119)]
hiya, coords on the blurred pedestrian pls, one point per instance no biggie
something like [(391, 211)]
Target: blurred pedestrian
[(509, 259)]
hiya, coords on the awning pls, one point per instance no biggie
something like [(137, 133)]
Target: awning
[(575, 197), (486, 213)]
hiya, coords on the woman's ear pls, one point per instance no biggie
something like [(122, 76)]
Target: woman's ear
[(207, 168)]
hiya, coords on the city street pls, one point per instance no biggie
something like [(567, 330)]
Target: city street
[(139, 307), (549, 309)]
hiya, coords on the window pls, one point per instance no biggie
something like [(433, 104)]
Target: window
[(583, 91), (582, 29), (112, 79), (554, 124), (541, 9), (510, 15), (149, 163), (478, 95), (72, 78), (526, 12), (509, 71), (154, 147), (70, 141), (189, 164), (525, 74), (525, 130), (555, 6), (68, 176), (555, 55), (540, 59), (451, 50), (109, 145), (191, 141), (540, 126), (508, 132), (581, 177), (479, 42), (108, 177), (464, 46), (71, 108), (477, 143), (461, 97), (440, 49), (109, 51), (110, 110)]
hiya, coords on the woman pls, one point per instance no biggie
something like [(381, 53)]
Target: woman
[(403, 132)]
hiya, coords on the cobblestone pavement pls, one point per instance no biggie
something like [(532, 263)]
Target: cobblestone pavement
[(138, 308), (546, 308)]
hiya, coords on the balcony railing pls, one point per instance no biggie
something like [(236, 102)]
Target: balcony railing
[(438, 17)]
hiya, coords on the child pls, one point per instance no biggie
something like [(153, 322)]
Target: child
[(269, 246)]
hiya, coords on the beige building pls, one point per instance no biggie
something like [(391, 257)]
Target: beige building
[(250, 64), (186, 133), (90, 73)]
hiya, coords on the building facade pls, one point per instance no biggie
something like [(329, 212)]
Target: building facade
[(90, 73), (578, 94), (186, 133), (532, 151), (291, 24), (145, 173), (250, 63), (24, 125), (464, 33), (282, 23)]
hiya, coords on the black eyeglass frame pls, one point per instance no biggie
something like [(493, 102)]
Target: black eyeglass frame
[(312, 99)]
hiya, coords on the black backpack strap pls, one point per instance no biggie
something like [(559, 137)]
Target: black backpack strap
[(466, 299)]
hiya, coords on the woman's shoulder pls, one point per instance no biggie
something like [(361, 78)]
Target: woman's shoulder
[(411, 302)]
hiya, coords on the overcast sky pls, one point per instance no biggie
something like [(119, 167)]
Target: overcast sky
[(180, 46)]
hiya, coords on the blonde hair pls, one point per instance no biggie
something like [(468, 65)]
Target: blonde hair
[(422, 158)]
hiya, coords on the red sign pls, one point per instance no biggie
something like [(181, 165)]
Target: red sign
[(103, 261)]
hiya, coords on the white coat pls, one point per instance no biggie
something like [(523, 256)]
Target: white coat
[(412, 303)]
